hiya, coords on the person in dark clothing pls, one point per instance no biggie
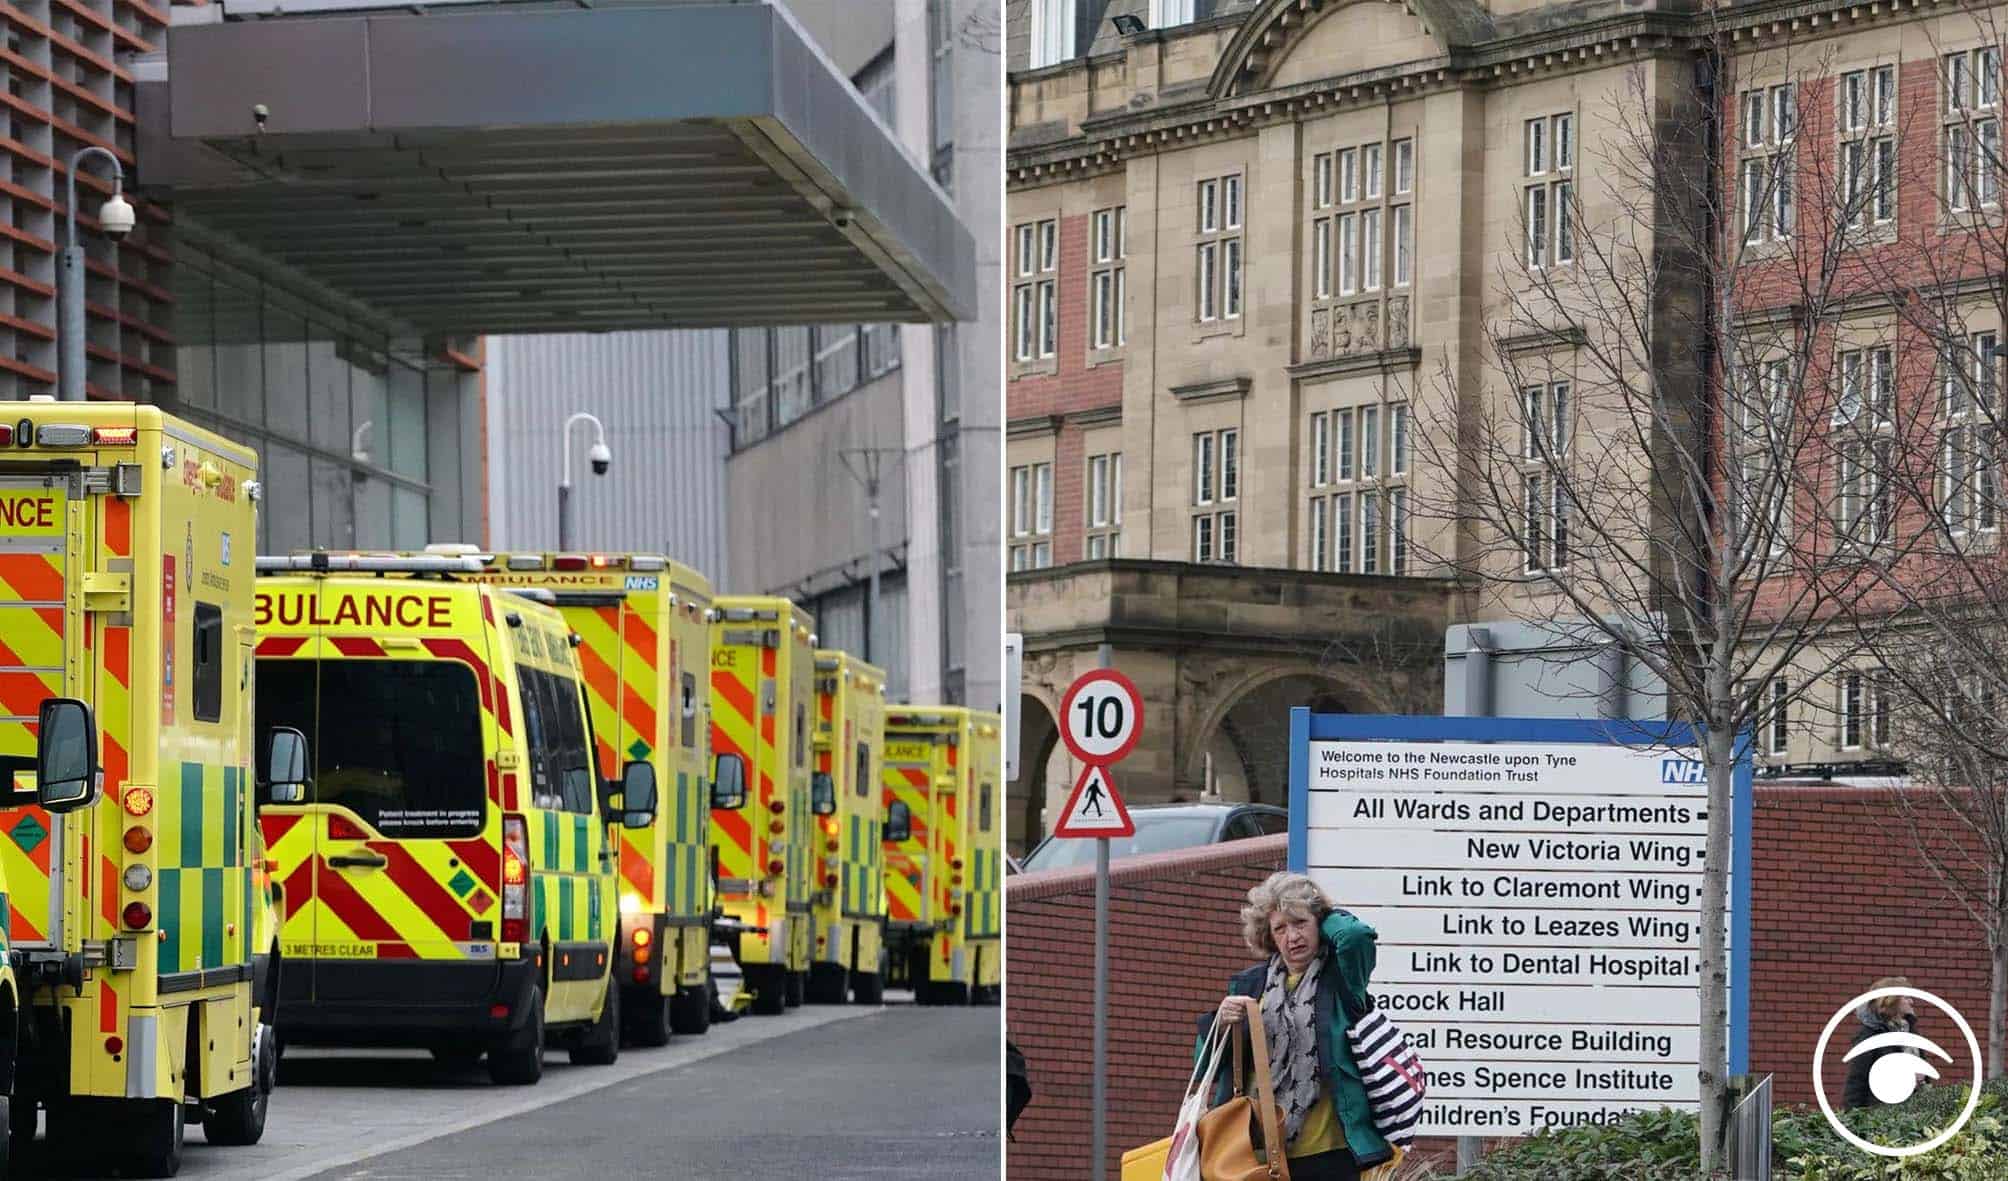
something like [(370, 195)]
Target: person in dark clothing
[(1017, 1086), (1310, 988), (1889, 1014)]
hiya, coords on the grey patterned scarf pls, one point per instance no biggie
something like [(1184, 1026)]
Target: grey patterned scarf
[(1291, 1020)]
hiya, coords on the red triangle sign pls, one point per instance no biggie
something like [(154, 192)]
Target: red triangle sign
[(1094, 809)]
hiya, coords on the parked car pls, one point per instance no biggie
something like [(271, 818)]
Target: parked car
[(1160, 827)]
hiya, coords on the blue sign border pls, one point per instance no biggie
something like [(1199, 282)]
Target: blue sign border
[(1307, 727)]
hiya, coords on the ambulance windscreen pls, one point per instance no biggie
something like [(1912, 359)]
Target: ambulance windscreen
[(397, 742)]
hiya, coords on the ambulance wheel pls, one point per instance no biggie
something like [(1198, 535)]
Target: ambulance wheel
[(796, 988), (690, 1011), (867, 988), (157, 1130), (600, 1045), (951, 992), (769, 985), (825, 984), (649, 1017), (239, 1117), (518, 1061)]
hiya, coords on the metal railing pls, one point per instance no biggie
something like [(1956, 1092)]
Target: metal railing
[(1750, 1133)]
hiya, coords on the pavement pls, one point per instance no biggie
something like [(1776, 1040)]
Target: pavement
[(831, 1092)]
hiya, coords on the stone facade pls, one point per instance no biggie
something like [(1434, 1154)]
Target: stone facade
[(1323, 206)]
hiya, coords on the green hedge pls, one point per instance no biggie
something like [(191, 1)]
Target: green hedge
[(1661, 1145)]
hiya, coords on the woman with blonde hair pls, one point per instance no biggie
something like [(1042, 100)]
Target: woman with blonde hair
[(1310, 987), (1888, 1014)]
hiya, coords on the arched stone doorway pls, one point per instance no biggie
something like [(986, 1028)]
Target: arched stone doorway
[(1038, 738), (1243, 749)]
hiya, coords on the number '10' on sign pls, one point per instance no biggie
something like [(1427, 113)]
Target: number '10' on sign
[(1102, 716)]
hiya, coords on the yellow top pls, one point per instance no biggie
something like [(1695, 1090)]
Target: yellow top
[(1321, 1131)]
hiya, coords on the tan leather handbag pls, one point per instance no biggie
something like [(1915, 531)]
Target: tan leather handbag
[(1227, 1149)]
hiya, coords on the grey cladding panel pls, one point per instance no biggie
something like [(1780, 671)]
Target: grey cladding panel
[(310, 75), (619, 66)]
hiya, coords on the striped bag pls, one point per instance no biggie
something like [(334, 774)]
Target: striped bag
[(1392, 1073)]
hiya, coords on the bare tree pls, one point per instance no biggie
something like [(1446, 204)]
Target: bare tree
[(1659, 457)]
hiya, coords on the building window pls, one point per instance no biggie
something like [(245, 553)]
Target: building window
[(1548, 198), (1035, 293), (1370, 436), (1863, 411), (1853, 712), (1758, 501), (1032, 516), (1972, 146), (1349, 247), (1166, 13), (1105, 505), (1397, 443), (1320, 543), (1777, 722), (1879, 705), (1545, 430), (1868, 145), (1397, 531), (1370, 522), (1345, 434), (1770, 120), (1342, 532), (1052, 32), (1216, 466), (1321, 450), (1969, 459), (1219, 248), (1108, 327)]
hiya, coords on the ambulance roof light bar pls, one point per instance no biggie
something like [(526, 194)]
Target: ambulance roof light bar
[(370, 563)]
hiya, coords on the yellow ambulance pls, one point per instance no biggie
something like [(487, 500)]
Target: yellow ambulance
[(848, 876), (944, 852), (762, 689), (450, 876), (645, 625), (126, 840)]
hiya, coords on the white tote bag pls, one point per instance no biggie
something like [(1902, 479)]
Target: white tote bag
[(1181, 1163)]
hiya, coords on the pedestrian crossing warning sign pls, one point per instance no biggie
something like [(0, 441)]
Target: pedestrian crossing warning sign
[(1095, 810)]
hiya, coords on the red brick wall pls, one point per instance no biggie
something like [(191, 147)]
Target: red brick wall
[(1835, 907), (1075, 387)]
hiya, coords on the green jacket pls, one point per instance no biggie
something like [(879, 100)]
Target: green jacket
[(1341, 1000)]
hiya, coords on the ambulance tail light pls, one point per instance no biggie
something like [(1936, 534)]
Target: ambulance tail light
[(115, 436), (6, 436), (138, 916), (515, 880), (569, 562), (776, 867), (605, 561)]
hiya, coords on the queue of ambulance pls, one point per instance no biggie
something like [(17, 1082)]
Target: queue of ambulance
[(480, 804)]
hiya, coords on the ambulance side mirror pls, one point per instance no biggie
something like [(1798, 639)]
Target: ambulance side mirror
[(285, 765), (822, 794), (728, 782), (898, 823), (66, 755), (638, 795)]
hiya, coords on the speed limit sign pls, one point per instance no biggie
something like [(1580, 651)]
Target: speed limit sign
[(1101, 716)]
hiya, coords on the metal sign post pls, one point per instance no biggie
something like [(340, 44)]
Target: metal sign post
[(1101, 718)]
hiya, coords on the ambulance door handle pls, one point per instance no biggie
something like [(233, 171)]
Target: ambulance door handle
[(356, 860)]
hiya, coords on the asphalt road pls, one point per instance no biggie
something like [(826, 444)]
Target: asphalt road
[(833, 1093)]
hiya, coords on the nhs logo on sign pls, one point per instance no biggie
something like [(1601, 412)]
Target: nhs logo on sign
[(1682, 771), (641, 582)]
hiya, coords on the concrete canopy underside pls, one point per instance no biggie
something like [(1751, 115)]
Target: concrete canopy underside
[(510, 171)]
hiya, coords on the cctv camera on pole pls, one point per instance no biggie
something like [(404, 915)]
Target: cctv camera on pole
[(599, 457), (115, 221)]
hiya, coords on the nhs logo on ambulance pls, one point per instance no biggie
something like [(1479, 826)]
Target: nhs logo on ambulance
[(641, 582), (1682, 771)]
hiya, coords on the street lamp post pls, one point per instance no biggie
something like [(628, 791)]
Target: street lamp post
[(599, 456), (115, 218)]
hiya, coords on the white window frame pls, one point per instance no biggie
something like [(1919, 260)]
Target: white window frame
[(1052, 32)]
